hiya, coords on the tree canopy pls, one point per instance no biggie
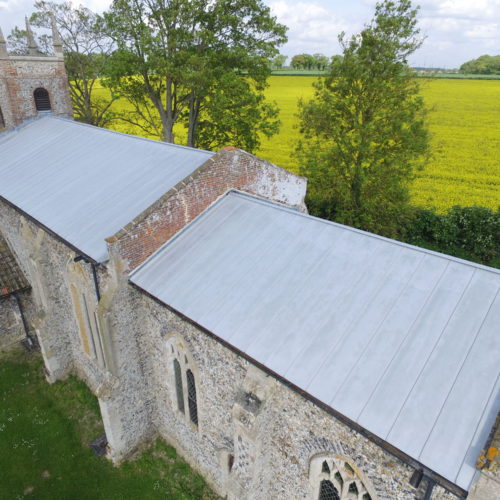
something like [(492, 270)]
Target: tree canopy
[(308, 61), (199, 63), (483, 65), (86, 53), (364, 130)]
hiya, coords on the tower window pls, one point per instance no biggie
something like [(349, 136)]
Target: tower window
[(2, 121), (42, 100)]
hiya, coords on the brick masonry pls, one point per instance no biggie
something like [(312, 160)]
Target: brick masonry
[(229, 169), (21, 75)]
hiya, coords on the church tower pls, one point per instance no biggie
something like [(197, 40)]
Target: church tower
[(32, 83)]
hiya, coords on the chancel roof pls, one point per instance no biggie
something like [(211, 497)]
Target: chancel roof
[(11, 277), (85, 183), (400, 340)]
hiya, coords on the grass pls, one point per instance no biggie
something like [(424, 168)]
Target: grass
[(44, 453), (464, 122)]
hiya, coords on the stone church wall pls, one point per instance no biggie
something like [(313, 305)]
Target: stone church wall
[(21, 75), (48, 73), (112, 373), (11, 326), (267, 431)]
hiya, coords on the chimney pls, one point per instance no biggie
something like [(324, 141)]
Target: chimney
[(56, 37), (3, 47), (32, 45)]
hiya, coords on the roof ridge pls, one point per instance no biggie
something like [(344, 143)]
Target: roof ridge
[(277, 206), (137, 137)]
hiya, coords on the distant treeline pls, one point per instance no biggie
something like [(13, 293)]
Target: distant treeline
[(483, 65), (309, 62)]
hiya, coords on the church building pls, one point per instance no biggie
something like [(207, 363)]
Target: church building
[(284, 356)]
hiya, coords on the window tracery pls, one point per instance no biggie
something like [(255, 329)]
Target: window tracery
[(335, 478), (183, 380)]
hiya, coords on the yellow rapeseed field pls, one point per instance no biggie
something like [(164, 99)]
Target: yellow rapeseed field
[(464, 121)]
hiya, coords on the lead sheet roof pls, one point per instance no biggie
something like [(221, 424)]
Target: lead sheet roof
[(85, 183), (403, 341)]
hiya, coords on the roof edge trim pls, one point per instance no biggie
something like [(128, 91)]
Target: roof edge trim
[(278, 206), (177, 235), (137, 137), (164, 197), (49, 231)]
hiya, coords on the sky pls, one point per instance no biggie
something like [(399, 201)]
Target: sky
[(455, 30)]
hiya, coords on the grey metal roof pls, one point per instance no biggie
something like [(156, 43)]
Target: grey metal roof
[(85, 183), (403, 341)]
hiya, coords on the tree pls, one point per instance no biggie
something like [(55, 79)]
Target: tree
[(86, 54), (364, 130), (321, 62), (18, 42), (298, 62), (279, 61), (483, 65), (193, 62)]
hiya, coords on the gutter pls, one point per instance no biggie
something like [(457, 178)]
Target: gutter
[(30, 342), (49, 231), (430, 487), (432, 476), (93, 266)]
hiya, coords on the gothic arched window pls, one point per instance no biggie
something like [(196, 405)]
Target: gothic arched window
[(178, 386), (42, 99), (193, 407), (327, 491), (336, 478), (183, 380)]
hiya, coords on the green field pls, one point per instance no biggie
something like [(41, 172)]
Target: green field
[(464, 121)]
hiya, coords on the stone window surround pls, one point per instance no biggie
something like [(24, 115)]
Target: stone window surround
[(176, 349), (337, 464), (85, 312), (36, 98)]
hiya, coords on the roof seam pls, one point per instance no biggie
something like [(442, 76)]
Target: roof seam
[(430, 354), (492, 392), (279, 310), (408, 332), (352, 322), (300, 353), (380, 323), (459, 371)]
